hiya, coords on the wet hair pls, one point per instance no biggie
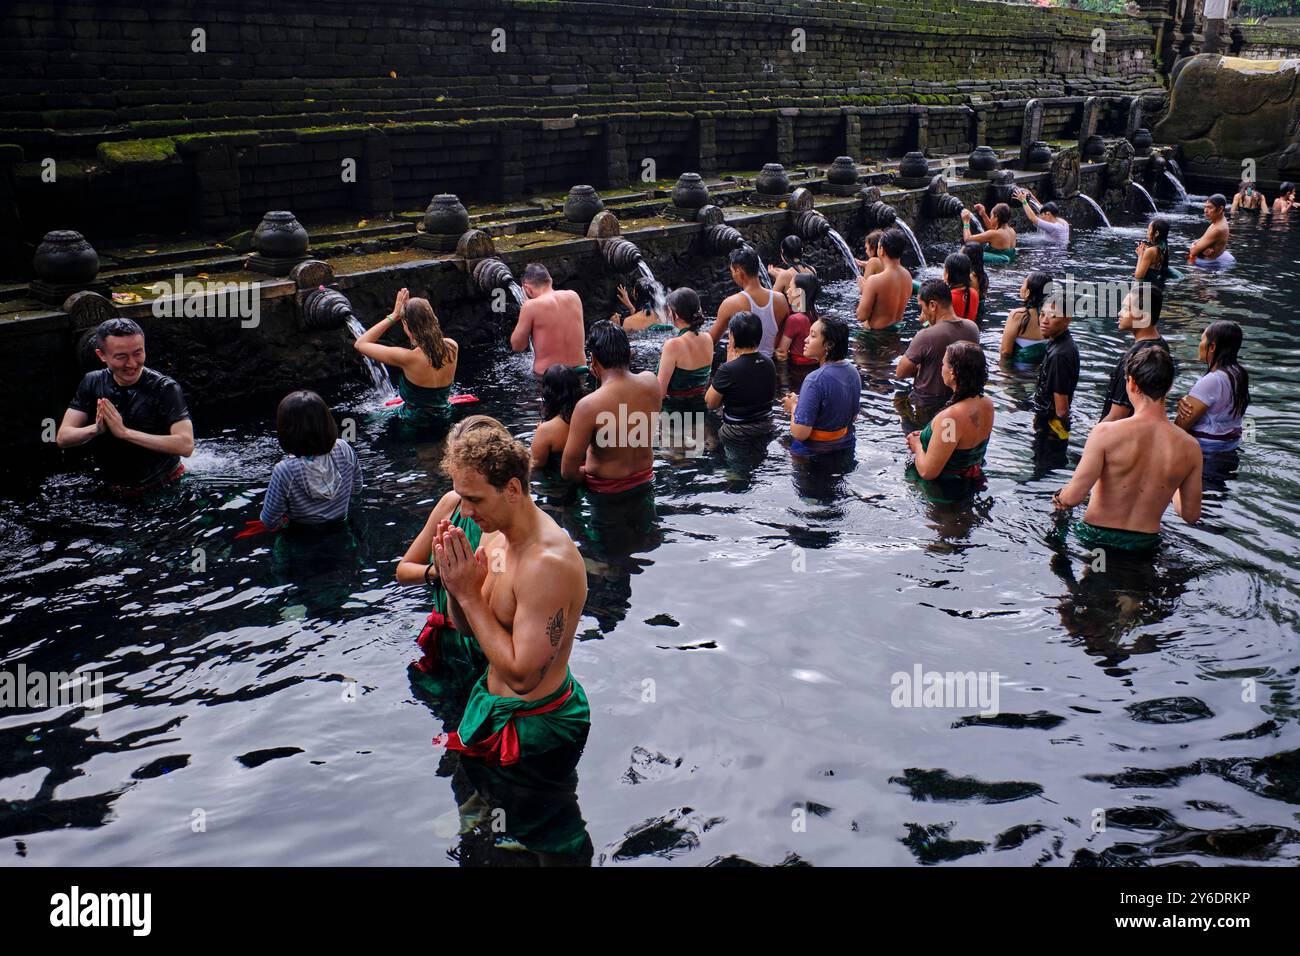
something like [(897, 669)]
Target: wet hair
[(608, 345), (537, 274), (936, 290), (482, 444), (835, 333), (873, 241), (1051, 208), (745, 258), (1000, 214), (561, 390), (811, 286), (305, 425), (422, 323), (1152, 371), (643, 295), (957, 266), (746, 330), (893, 243), (1218, 199), (1226, 338), (791, 249), (685, 304), (1038, 283), (117, 327), (974, 251), (970, 370), (1285, 188), (1246, 184)]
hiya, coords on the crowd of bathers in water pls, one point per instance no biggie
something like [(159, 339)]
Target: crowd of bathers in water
[(509, 584)]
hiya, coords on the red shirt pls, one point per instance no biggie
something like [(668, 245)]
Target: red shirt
[(966, 303), (797, 326)]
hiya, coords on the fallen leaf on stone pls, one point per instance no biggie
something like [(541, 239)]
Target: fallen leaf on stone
[(125, 298), (393, 74), (201, 275), (363, 223)]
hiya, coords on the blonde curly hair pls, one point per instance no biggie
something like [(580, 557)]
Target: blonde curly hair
[(483, 444)]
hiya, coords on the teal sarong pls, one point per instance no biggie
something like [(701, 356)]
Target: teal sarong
[(423, 407), (452, 660), (962, 477), (503, 730), (1116, 539)]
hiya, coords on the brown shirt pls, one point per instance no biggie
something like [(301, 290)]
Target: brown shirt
[(926, 353)]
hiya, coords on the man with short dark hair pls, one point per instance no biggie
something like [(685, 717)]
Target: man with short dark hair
[(1046, 216), (883, 296), (746, 385), (612, 431), (924, 357), (552, 319), (1140, 314), (771, 313), (1212, 247), (1135, 466), (1058, 376), (135, 416)]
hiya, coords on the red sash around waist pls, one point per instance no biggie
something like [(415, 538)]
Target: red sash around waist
[(612, 486), (503, 746)]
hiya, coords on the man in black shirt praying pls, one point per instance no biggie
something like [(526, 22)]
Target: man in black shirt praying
[(135, 417)]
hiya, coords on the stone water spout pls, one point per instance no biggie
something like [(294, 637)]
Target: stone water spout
[(326, 309), (1001, 187), (622, 255), (880, 215), (811, 225), (492, 274), (719, 238), (939, 203)]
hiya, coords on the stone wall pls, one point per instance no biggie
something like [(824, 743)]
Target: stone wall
[(416, 96), (1267, 42)]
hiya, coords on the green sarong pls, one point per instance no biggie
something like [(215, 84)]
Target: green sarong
[(423, 407), (503, 730), (1116, 539), (998, 257), (1029, 354), (962, 477), (452, 660), (658, 327)]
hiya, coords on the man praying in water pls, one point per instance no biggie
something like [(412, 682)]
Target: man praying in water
[(521, 604)]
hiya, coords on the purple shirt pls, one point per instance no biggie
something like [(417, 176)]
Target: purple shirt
[(828, 401)]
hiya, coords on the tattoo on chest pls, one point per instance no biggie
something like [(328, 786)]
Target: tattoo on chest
[(555, 629)]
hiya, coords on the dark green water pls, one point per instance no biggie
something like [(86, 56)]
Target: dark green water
[(769, 606)]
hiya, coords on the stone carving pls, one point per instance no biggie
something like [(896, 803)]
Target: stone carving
[(1224, 110), (1065, 173)]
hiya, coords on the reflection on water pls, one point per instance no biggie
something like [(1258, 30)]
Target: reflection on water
[(743, 628)]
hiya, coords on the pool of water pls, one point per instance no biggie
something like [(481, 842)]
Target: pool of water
[(738, 654)]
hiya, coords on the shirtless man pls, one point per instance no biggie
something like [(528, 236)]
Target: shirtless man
[(1214, 243), (770, 307), (552, 319), (612, 430), (521, 603), (885, 294), (1137, 465)]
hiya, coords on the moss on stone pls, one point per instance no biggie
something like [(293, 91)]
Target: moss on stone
[(137, 152)]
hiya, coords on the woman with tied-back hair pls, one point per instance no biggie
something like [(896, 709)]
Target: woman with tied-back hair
[(640, 309), (1022, 339), (965, 288), (783, 276), (1153, 254), (561, 390), (998, 238), (1213, 410), (687, 358), (428, 367), (950, 450), (872, 264)]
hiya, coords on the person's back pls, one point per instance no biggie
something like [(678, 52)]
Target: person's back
[(885, 295), (923, 360), (314, 485), (611, 435), (1132, 468), (552, 319), (1147, 459)]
